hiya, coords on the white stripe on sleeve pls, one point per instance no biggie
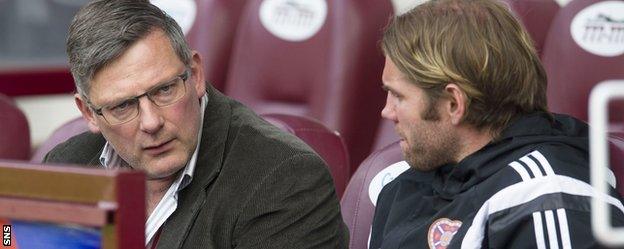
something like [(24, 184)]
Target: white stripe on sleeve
[(533, 166), (563, 226), (527, 191), (539, 230), (521, 171), (542, 160), (552, 230)]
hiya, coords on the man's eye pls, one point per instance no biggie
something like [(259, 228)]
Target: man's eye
[(121, 107), (165, 89)]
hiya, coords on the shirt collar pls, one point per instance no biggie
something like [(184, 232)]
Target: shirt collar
[(109, 158)]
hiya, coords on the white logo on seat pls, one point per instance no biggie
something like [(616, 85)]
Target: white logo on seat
[(384, 177), (401, 6), (293, 20), (182, 11), (599, 28)]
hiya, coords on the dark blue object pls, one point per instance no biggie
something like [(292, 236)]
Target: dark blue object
[(37, 235)]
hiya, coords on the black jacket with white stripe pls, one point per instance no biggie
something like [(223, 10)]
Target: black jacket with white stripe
[(528, 189)]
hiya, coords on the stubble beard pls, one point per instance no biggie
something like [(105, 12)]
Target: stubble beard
[(431, 148)]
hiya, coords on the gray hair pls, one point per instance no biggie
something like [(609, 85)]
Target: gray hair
[(104, 29)]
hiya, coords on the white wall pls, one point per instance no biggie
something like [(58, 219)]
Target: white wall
[(46, 113)]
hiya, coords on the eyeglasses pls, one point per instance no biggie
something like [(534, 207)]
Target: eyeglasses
[(162, 95)]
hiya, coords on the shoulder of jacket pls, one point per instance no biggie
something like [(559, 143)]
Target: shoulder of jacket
[(78, 149)]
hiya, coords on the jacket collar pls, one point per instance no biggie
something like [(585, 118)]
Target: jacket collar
[(528, 130), (215, 125)]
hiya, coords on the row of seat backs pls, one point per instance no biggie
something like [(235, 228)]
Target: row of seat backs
[(315, 58), (14, 131), (213, 31), (333, 75)]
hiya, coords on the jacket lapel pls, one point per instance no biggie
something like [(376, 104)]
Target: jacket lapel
[(209, 161), (96, 159), (91, 146)]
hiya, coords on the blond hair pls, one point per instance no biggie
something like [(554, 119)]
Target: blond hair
[(478, 45)]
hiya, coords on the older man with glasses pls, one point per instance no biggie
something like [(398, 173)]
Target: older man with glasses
[(218, 176)]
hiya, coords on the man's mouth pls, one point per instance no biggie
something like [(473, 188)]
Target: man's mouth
[(402, 140), (157, 149)]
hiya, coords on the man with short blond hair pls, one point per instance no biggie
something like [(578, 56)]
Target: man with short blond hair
[(490, 166)]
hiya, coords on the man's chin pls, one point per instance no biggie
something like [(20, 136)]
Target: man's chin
[(161, 175), (162, 169), (416, 162)]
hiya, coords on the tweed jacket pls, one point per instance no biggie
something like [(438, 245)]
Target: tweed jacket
[(254, 186)]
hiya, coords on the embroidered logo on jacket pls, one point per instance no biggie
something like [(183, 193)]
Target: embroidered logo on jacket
[(441, 232)]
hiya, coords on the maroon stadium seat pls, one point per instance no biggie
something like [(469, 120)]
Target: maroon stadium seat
[(332, 74), (358, 202), (14, 131), (536, 16), (593, 52), (73, 127), (212, 35), (327, 143), (385, 134)]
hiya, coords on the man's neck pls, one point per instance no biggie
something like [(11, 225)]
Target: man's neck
[(156, 189), (472, 140)]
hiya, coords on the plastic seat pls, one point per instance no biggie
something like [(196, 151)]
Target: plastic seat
[(327, 143), (210, 27), (582, 49), (358, 202), (536, 16), (289, 59), (14, 131), (212, 35), (385, 134), (71, 128)]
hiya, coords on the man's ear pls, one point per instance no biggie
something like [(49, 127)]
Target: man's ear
[(197, 68), (457, 104), (87, 114)]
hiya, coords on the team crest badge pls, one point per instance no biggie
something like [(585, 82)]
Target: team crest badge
[(441, 232)]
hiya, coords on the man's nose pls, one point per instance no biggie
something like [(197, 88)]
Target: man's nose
[(388, 111), (150, 118)]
